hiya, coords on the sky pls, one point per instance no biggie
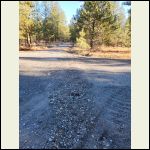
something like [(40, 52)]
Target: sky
[(70, 7)]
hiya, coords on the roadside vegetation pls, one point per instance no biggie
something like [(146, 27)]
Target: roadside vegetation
[(98, 28)]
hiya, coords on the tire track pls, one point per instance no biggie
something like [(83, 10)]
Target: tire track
[(118, 119)]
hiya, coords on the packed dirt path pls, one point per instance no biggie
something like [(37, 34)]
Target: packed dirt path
[(71, 101)]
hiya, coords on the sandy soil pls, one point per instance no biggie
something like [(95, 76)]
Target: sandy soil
[(72, 101)]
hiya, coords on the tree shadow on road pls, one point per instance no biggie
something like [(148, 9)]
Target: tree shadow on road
[(101, 61)]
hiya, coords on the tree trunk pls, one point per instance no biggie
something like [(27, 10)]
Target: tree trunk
[(28, 40), (91, 43), (92, 35)]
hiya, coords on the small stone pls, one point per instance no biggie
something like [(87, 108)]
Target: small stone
[(89, 100), (39, 121), (25, 141), (50, 139), (32, 147), (95, 146), (107, 144)]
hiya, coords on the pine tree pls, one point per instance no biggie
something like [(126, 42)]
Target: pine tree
[(81, 41), (94, 16)]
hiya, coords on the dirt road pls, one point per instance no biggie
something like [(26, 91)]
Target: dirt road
[(69, 101)]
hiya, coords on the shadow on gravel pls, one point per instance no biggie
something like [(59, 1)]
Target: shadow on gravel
[(41, 50), (101, 61), (77, 119)]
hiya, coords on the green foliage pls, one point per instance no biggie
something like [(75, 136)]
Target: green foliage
[(94, 16), (81, 41), (103, 23), (25, 21), (43, 20)]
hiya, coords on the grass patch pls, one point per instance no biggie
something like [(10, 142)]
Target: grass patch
[(104, 52)]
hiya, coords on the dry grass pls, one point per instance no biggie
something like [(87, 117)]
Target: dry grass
[(100, 52), (105, 52), (23, 48)]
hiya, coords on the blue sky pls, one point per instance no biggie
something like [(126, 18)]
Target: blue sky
[(70, 7)]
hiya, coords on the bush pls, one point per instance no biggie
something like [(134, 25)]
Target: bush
[(81, 41)]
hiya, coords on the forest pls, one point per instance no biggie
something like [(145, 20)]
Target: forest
[(95, 23)]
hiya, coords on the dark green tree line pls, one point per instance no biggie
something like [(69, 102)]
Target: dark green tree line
[(103, 23)]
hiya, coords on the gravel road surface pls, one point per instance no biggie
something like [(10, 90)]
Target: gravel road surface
[(70, 101)]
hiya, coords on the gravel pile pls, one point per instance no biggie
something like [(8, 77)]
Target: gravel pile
[(74, 112)]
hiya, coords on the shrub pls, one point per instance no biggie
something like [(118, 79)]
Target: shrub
[(81, 41)]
